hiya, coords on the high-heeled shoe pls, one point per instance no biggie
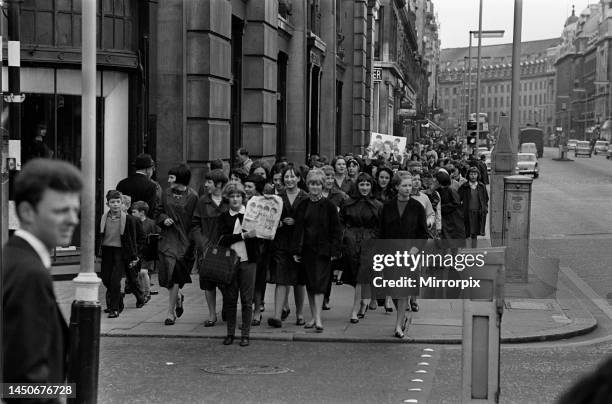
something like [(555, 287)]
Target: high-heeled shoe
[(256, 321), (229, 340), (300, 321), (170, 321), (244, 341), (284, 314), (319, 328), (388, 309), (210, 323), (414, 306), (354, 320), (398, 334), (361, 314)]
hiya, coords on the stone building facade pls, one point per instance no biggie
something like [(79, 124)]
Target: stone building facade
[(583, 108), (537, 91), (281, 77)]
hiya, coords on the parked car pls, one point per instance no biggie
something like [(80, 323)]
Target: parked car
[(583, 148), (601, 146), (571, 144), (528, 164), (609, 156), (529, 148)]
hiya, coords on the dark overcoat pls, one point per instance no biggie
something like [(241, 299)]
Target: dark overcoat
[(453, 227), (140, 188), (483, 197), (35, 334), (360, 218)]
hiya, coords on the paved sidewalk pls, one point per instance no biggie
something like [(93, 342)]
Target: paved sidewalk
[(438, 321)]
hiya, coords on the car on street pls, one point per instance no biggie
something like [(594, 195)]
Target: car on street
[(601, 146), (571, 144), (529, 148), (528, 164), (487, 154), (583, 148)]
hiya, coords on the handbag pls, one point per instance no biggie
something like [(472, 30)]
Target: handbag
[(218, 264)]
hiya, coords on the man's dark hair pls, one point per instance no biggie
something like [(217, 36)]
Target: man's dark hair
[(593, 388), (258, 181), (183, 174), (38, 175), (141, 206), (243, 152), (217, 176), (216, 164)]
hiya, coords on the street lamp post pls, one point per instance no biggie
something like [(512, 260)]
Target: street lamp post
[(480, 34)]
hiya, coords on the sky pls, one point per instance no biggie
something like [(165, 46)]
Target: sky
[(542, 19)]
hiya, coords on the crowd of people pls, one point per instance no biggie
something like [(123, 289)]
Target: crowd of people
[(330, 209)]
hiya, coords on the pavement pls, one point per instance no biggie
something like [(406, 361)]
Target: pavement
[(525, 319)]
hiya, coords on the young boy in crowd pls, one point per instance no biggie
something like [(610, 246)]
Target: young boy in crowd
[(119, 251), (140, 211)]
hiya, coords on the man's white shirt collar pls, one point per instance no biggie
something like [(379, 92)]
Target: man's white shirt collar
[(37, 245)]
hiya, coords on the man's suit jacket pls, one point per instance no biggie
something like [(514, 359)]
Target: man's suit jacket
[(140, 188), (35, 334)]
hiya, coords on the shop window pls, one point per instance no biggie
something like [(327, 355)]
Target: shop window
[(51, 128)]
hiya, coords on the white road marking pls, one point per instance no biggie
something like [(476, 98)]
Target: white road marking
[(588, 291), (420, 371), (423, 364), (417, 380)]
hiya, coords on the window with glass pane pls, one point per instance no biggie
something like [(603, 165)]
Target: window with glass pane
[(51, 128)]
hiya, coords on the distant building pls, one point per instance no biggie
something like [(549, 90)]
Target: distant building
[(583, 107), (537, 91)]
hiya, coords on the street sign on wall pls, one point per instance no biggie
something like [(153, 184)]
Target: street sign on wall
[(376, 74)]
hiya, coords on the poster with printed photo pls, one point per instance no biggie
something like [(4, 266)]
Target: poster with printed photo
[(390, 147), (263, 214)]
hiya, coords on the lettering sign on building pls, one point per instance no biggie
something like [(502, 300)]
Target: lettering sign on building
[(377, 74)]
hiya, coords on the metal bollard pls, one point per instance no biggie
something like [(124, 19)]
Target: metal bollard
[(482, 315)]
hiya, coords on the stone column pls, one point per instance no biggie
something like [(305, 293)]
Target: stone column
[(193, 83), (327, 111), (260, 78), (297, 85), (360, 55), (169, 84)]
